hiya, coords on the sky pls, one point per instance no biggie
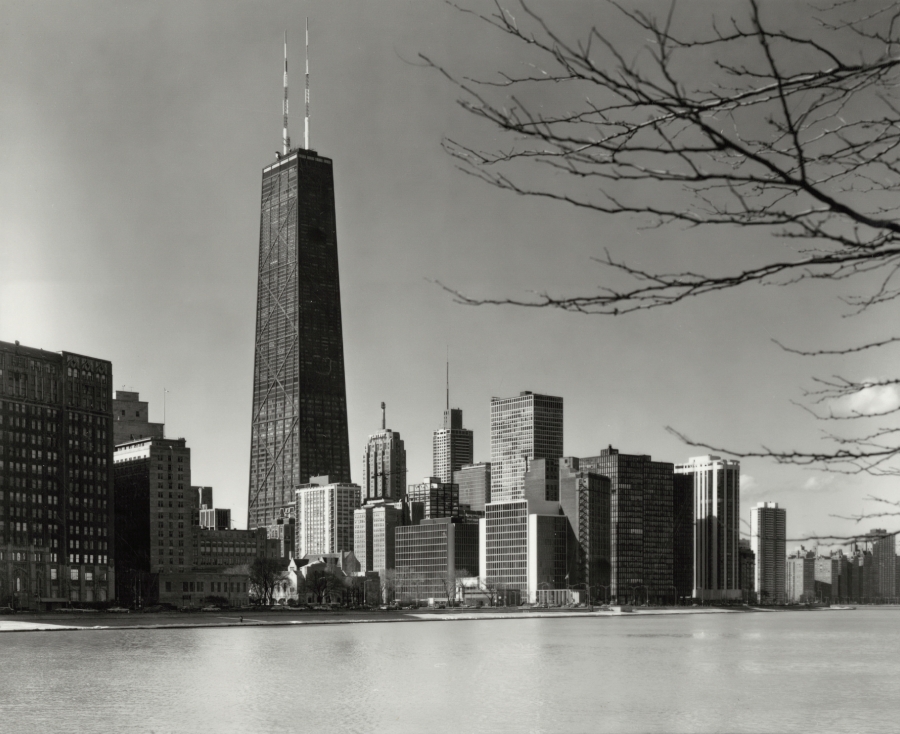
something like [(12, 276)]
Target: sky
[(132, 140)]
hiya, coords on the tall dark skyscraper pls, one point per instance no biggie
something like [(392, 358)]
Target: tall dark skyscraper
[(641, 524), (299, 421)]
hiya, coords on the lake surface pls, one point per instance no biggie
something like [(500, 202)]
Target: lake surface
[(765, 672)]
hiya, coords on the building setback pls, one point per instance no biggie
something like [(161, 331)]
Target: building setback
[(641, 521), (298, 426), (56, 485), (131, 418), (451, 446), (767, 540), (716, 526)]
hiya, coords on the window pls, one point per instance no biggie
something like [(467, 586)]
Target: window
[(73, 574)]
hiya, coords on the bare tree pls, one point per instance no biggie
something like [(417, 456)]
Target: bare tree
[(264, 574), (743, 124)]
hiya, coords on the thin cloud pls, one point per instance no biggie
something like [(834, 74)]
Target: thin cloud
[(869, 401)]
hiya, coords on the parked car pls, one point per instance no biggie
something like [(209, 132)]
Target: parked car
[(211, 608), (7, 610), (118, 610)]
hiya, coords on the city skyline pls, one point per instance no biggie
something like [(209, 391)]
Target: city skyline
[(157, 274)]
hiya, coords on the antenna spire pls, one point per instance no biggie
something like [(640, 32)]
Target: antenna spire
[(448, 378), (383, 418), (306, 119), (285, 138)]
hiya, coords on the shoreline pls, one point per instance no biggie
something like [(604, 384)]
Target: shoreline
[(41, 623)]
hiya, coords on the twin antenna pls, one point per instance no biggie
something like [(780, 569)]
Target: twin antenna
[(285, 138)]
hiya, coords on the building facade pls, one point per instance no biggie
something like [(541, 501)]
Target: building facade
[(641, 522), (215, 518), (474, 482), (747, 571), (131, 418), (884, 561), (768, 523), (220, 549), (384, 462), (452, 446), (154, 508), (716, 526), (298, 425), (56, 484), (683, 535), (585, 500), (324, 518), (800, 576), (432, 555), (528, 426), (439, 499)]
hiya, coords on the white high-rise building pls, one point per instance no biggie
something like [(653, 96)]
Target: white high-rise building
[(768, 524), (325, 518), (528, 426), (451, 446), (716, 527)]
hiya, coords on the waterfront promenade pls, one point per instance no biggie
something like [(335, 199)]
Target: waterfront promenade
[(55, 621)]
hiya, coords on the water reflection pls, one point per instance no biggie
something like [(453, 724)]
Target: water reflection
[(750, 672)]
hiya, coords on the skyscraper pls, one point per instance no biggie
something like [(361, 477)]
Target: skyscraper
[(528, 426), (884, 559), (299, 420), (767, 538), (56, 483), (451, 446), (385, 465), (716, 527), (325, 518), (641, 524)]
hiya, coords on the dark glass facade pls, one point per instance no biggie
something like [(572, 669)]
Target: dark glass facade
[(438, 498), (585, 501), (641, 516), (683, 535), (299, 421)]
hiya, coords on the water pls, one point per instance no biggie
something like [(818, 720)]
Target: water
[(795, 671)]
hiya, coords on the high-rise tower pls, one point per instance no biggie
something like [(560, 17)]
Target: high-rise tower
[(528, 426), (716, 528), (385, 465), (452, 446), (641, 520), (767, 540), (299, 421)]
